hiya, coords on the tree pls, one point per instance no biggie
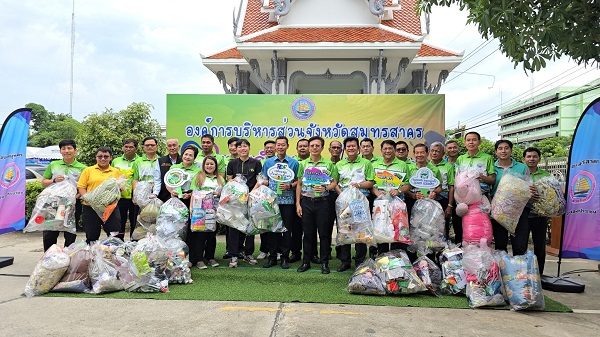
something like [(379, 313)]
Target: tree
[(109, 128), (58, 128), (531, 31), (40, 117), (554, 147)]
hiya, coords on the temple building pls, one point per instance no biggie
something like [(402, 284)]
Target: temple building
[(331, 47)]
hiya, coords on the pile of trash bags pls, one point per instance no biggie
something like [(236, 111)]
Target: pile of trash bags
[(54, 209)]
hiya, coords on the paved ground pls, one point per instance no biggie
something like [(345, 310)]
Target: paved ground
[(41, 316)]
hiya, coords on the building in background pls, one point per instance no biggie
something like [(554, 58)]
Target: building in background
[(550, 114), (331, 47)]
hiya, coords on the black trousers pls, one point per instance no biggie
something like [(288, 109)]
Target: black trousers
[(264, 243), (92, 224), (127, 210), (444, 203), (281, 242), (457, 225), (315, 218), (538, 226), (202, 245), (235, 239), (519, 239)]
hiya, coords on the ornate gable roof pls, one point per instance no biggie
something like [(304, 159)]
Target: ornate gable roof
[(405, 19), (338, 34), (427, 50)]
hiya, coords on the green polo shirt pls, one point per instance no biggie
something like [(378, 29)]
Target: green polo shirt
[(390, 176), (482, 162), (355, 171), (192, 171), (433, 168), (409, 163), (126, 167), (447, 172), (535, 176), (144, 169), (324, 165), (514, 167), (72, 171), (222, 165), (374, 159)]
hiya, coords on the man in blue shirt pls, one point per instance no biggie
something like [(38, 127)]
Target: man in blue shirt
[(286, 199)]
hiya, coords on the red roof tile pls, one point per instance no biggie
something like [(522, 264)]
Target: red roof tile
[(254, 19), (406, 19), (431, 51), (342, 34), (232, 53)]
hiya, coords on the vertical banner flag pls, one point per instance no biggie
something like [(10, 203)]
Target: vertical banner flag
[(412, 118), (13, 147), (581, 235)]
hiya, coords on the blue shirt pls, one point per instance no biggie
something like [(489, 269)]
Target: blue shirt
[(514, 167), (287, 196)]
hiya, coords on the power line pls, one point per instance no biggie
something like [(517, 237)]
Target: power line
[(488, 55), (512, 100), (552, 101)]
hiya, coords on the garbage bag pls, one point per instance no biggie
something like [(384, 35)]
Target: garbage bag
[(148, 264), (203, 210), (104, 273), (54, 209), (103, 199), (76, 279), (398, 273), (427, 223), (551, 201), (454, 280), (484, 285), (233, 205), (522, 283), (47, 272), (390, 220), (430, 274), (353, 218), (366, 281), (510, 200), (264, 211), (172, 219)]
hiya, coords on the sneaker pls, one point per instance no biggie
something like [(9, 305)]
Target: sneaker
[(261, 256), (250, 259), (278, 256), (233, 262), (213, 263), (201, 265)]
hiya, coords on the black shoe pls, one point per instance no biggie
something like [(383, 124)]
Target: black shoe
[(315, 259), (358, 263), (343, 267), (226, 256), (284, 263), (270, 263), (294, 258), (373, 256), (325, 268), (304, 267)]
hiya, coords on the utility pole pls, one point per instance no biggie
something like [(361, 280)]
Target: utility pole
[(72, 58)]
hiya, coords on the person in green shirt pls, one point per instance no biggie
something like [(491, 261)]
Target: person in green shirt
[(66, 169), (482, 162), (126, 206), (316, 177), (207, 179), (446, 196), (538, 225), (503, 165), (146, 167), (390, 175), (413, 193), (208, 144), (269, 148), (358, 172), (231, 146), (402, 154), (366, 150)]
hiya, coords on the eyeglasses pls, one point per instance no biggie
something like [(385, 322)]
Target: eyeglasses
[(103, 157), (401, 149), (149, 145)]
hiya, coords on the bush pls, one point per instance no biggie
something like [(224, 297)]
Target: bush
[(31, 193)]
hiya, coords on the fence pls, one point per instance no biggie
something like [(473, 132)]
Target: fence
[(557, 167)]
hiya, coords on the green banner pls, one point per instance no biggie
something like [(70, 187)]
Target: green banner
[(413, 118)]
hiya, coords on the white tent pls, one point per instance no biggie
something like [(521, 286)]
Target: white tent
[(31, 151), (49, 152)]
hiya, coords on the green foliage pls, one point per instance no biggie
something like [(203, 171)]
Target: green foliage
[(61, 127), (109, 128), (39, 116), (32, 190), (554, 147), (532, 32)]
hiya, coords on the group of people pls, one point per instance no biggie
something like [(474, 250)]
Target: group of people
[(307, 208)]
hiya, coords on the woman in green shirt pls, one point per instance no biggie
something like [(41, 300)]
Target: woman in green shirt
[(205, 243)]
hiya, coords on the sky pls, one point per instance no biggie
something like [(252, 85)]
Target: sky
[(140, 51)]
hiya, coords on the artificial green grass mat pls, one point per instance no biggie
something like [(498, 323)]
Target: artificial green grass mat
[(257, 284)]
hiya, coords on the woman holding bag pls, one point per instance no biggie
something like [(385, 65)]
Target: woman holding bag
[(209, 180)]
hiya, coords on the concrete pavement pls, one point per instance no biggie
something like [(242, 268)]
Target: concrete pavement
[(41, 316)]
